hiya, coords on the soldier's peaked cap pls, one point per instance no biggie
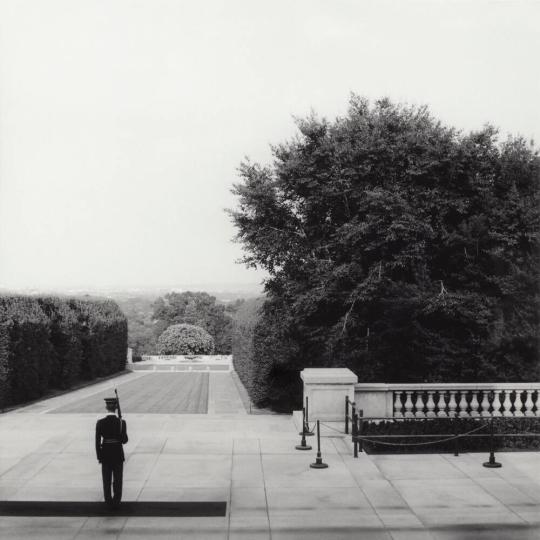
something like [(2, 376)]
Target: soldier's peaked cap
[(111, 401)]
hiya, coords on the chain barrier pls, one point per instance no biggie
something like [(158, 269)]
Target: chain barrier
[(357, 421), (333, 428), (451, 438)]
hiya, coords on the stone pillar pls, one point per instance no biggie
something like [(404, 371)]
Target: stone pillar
[(129, 357), (326, 389)]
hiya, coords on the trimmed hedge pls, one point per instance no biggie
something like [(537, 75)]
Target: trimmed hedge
[(244, 323), (49, 342), (260, 347), (449, 427), (185, 339)]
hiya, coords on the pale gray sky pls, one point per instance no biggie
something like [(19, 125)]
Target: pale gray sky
[(122, 122)]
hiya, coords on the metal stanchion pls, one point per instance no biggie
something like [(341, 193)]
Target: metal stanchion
[(318, 460), (303, 445), (355, 432), (346, 415), (305, 425), (491, 464), (309, 433), (359, 431), (456, 434)]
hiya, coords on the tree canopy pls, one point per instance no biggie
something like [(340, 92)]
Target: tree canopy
[(196, 308), (397, 246)]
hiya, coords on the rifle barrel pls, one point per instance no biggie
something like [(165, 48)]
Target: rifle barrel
[(118, 403)]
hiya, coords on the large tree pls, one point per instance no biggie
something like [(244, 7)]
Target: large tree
[(398, 246)]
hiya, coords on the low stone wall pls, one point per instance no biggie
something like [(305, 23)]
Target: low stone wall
[(210, 362)]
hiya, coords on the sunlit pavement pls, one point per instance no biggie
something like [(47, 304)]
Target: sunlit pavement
[(250, 462)]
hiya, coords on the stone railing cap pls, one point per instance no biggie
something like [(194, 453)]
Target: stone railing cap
[(373, 387), (328, 376)]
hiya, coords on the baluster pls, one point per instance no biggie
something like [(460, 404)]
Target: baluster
[(398, 405), (474, 404), (462, 404), (430, 405), (529, 404), (485, 404), (496, 403), (518, 404), (419, 405), (507, 404), (442, 405), (408, 405), (452, 404)]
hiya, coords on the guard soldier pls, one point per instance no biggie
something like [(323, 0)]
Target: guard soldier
[(111, 434)]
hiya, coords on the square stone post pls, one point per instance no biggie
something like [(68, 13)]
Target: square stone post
[(326, 389)]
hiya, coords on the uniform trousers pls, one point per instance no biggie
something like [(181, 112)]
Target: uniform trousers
[(114, 472)]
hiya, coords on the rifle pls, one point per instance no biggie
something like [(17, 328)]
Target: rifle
[(118, 403), (119, 413)]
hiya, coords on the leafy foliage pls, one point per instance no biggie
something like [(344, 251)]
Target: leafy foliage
[(65, 338), (447, 428), (199, 309), (29, 352), (396, 246), (185, 339), (4, 364), (53, 342), (142, 336), (244, 323)]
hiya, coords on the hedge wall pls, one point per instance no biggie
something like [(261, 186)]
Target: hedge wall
[(261, 348), (244, 323), (48, 342)]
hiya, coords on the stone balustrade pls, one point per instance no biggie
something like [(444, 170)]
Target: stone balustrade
[(448, 400)]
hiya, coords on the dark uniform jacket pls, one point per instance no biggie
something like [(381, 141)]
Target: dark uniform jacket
[(111, 434)]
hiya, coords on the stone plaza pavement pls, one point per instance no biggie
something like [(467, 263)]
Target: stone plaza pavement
[(250, 462)]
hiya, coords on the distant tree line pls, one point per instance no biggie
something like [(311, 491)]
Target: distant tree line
[(141, 332), (396, 246), (51, 343), (147, 320)]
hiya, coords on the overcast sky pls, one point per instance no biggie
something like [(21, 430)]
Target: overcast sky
[(122, 122)]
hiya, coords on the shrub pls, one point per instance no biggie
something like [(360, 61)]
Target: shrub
[(185, 339), (449, 427)]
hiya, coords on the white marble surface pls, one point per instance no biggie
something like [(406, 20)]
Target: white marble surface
[(250, 462)]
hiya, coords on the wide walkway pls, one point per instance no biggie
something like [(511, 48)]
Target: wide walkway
[(249, 461)]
